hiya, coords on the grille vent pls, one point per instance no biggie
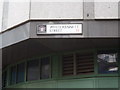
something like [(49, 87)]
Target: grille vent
[(68, 64), (84, 63), (77, 64)]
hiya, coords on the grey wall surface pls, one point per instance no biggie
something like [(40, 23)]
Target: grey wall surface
[(15, 35), (91, 29), (15, 13)]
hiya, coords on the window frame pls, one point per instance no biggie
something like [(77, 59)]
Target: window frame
[(95, 74)]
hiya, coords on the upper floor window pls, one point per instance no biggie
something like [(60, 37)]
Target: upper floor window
[(20, 72), (13, 74), (33, 70), (45, 68), (39, 69), (107, 62)]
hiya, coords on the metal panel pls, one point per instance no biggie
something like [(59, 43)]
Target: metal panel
[(103, 29), (103, 82), (76, 83), (16, 35), (90, 29)]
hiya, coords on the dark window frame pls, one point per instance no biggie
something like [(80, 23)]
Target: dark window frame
[(4, 78)]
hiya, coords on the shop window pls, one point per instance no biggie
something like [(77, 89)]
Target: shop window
[(45, 68), (107, 63), (84, 63), (68, 65), (4, 79), (13, 75), (33, 70), (20, 72)]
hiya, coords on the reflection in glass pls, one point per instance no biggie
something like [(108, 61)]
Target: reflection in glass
[(33, 70), (45, 68), (20, 72), (13, 75), (107, 63)]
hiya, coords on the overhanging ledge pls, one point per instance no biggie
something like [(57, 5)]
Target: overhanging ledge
[(90, 29)]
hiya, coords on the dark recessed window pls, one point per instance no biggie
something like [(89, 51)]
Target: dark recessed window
[(84, 63), (33, 70), (79, 63), (107, 63), (45, 68), (4, 79), (13, 75), (20, 72)]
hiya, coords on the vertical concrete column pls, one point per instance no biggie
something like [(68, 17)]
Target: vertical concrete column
[(0, 63), (88, 11), (5, 14), (119, 19), (0, 68), (119, 44)]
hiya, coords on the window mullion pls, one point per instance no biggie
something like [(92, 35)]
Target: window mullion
[(74, 64), (40, 68)]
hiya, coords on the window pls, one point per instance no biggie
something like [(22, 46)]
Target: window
[(33, 70), (79, 63), (13, 75), (4, 79), (38, 69), (107, 62), (45, 68), (20, 72)]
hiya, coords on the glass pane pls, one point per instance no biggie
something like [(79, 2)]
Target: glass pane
[(45, 68), (13, 75), (4, 79), (33, 70), (107, 63), (20, 72)]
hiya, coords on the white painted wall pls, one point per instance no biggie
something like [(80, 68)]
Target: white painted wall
[(106, 10), (1, 12), (17, 12), (56, 10)]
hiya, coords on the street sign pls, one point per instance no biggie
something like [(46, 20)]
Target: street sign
[(59, 29)]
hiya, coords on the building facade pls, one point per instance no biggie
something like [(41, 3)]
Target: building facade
[(60, 44)]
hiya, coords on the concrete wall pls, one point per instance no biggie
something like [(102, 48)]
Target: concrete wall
[(16, 12), (56, 10), (1, 12), (106, 10)]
